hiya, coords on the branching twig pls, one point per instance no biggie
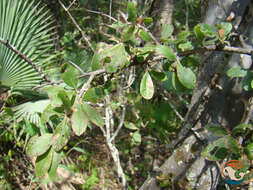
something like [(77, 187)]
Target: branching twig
[(122, 119), (76, 25), (96, 72), (115, 20), (113, 150), (86, 86), (77, 67), (72, 3), (29, 61)]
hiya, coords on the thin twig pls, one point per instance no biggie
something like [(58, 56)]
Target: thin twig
[(110, 10), (113, 150), (187, 15), (77, 67), (96, 72), (176, 112), (86, 86), (72, 3), (103, 14), (76, 25), (29, 61), (122, 119), (228, 49), (140, 26), (151, 35)]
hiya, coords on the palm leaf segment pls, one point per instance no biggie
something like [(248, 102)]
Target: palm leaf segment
[(27, 28)]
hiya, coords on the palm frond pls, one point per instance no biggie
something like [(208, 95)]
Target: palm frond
[(29, 29), (31, 110)]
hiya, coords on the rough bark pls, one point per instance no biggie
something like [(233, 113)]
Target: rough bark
[(165, 12), (209, 105)]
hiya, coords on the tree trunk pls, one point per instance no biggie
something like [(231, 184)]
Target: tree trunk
[(209, 105), (165, 13)]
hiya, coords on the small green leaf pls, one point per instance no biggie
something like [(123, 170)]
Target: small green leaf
[(208, 30), (147, 87), (79, 120), (186, 76), (200, 36), (166, 52), (128, 33), (182, 36), (118, 57), (39, 145), (61, 136), (249, 151), (144, 36), (132, 11), (78, 149), (130, 125), (160, 76), (93, 115), (167, 31), (93, 95), (217, 150), (216, 130), (185, 46), (176, 84), (226, 26), (147, 20), (236, 72), (70, 76), (48, 113), (65, 100), (43, 163), (137, 137), (233, 145), (241, 128), (56, 159)]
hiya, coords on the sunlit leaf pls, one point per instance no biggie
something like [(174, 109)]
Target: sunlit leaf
[(43, 163), (130, 125), (61, 135), (167, 31), (70, 76), (137, 137), (79, 120), (236, 72), (39, 145), (166, 52), (56, 159), (93, 115), (144, 36), (147, 87), (186, 76)]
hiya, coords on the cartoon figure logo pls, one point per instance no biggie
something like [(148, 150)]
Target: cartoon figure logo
[(233, 172)]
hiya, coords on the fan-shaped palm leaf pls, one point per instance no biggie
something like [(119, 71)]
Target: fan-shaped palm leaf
[(31, 110), (27, 28)]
